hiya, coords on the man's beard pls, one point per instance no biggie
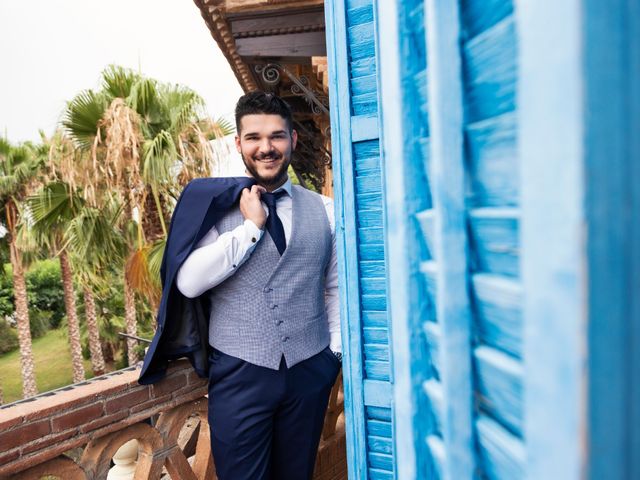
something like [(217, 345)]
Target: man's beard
[(276, 180)]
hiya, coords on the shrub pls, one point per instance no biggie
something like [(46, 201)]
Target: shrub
[(39, 322), (6, 292), (44, 288), (44, 291), (8, 337)]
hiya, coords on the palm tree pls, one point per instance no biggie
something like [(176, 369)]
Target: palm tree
[(85, 240), (20, 167), (93, 239), (52, 208), (95, 347), (142, 140)]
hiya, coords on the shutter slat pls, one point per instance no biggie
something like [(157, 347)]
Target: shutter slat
[(498, 303), (438, 453), (432, 333), (502, 454), (499, 386), (480, 15), (426, 220), (490, 67), (495, 233), (493, 161), (364, 127), (377, 394), (433, 390)]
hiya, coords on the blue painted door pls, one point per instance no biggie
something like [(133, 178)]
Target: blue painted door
[(351, 42)]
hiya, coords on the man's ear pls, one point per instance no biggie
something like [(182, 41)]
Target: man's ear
[(238, 144), (294, 139)]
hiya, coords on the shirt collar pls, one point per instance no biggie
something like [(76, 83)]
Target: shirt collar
[(286, 187)]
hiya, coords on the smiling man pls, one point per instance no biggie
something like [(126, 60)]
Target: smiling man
[(268, 268)]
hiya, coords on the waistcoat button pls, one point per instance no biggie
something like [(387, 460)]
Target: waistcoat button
[(284, 339)]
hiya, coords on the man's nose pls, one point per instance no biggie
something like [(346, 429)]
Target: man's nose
[(265, 145)]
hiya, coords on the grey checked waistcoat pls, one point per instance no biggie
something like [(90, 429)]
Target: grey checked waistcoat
[(272, 305)]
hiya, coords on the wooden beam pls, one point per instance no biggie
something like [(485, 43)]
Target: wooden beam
[(250, 25), (291, 45)]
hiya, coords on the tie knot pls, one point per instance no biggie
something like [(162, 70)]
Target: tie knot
[(271, 198)]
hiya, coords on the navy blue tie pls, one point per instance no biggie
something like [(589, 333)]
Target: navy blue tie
[(274, 224)]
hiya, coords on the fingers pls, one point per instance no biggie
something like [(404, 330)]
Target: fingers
[(251, 193), (255, 192), (258, 190), (251, 207)]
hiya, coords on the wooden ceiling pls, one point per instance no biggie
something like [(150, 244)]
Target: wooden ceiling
[(274, 45)]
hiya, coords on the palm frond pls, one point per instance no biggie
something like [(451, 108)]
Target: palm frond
[(92, 237), (123, 142), (53, 205), (154, 260), (8, 185), (19, 169), (138, 275), (184, 107), (222, 127), (31, 243), (159, 156), (118, 81), (82, 116), (5, 147), (145, 99)]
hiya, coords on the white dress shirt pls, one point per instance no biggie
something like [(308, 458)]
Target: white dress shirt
[(216, 257)]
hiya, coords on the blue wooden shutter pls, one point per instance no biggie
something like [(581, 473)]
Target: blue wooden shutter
[(351, 34), (426, 242), (453, 228), (453, 138), (490, 74)]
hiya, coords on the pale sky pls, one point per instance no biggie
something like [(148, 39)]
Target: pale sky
[(50, 50)]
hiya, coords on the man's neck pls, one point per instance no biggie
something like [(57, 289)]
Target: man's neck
[(271, 188)]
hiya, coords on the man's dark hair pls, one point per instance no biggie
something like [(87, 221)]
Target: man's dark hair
[(262, 103)]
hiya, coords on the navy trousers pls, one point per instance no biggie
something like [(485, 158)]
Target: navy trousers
[(266, 424)]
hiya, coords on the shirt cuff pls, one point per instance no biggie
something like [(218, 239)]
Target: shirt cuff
[(335, 344), (252, 230)]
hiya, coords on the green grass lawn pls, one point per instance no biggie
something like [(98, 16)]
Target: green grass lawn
[(53, 366)]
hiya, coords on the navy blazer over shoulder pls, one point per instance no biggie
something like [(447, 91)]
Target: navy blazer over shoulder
[(183, 323)]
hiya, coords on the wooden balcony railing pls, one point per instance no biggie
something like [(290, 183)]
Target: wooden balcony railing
[(74, 433)]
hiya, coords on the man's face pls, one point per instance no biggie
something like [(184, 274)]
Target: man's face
[(265, 143)]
